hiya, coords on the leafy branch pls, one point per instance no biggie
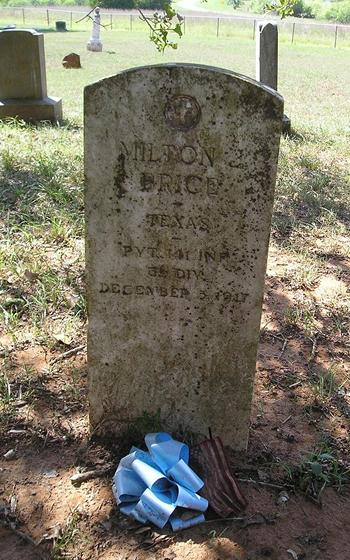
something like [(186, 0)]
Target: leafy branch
[(161, 25), (283, 8)]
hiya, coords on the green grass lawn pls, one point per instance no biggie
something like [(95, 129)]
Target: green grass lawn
[(314, 80), (41, 169)]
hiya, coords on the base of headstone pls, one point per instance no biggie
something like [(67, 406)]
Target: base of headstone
[(95, 46), (32, 110), (286, 125)]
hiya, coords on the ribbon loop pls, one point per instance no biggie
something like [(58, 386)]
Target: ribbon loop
[(149, 486), (166, 451)]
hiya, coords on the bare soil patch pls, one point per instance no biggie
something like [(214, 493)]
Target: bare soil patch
[(294, 413)]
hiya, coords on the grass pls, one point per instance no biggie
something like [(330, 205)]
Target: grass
[(41, 197), (291, 30), (305, 273), (68, 535), (41, 178), (301, 316), (322, 468), (325, 383), (328, 383), (6, 394), (18, 386)]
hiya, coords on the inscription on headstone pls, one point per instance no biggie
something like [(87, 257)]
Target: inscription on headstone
[(180, 172)]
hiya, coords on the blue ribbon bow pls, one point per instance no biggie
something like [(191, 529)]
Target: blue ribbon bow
[(150, 486)]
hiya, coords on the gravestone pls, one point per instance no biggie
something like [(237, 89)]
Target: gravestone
[(267, 60), (95, 43), (61, 26), (267, 54), (180, 165), (71, 60), (23, 89)]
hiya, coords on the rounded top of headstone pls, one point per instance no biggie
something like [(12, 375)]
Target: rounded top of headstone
[(23, 31), (265, 24), (190, 90), (177, 68)]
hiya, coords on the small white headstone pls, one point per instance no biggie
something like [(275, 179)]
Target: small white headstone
[(95, 43)]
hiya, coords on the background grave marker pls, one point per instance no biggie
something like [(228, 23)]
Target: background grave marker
[(23, 89), (267, 60)]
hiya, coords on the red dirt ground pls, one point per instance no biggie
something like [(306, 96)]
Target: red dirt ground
[(287, 422)]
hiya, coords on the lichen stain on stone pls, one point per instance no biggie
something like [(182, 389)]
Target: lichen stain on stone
[(120, 176), (250, 100), (272, 110)]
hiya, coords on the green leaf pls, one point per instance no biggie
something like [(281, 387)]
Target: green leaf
[(161, 24), (177, 29), (282, 7), (316, 468), (170, 12)]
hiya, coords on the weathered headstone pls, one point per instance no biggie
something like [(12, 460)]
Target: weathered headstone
[(267, 59), (23, 89), (71, 60), (8, 26), (180, 174), (267, 54), (95, 43), (61, 26)]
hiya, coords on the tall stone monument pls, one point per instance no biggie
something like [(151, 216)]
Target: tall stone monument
[(267, 54), (267, 60), (23, 89), (95, 43), (180, 165)]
